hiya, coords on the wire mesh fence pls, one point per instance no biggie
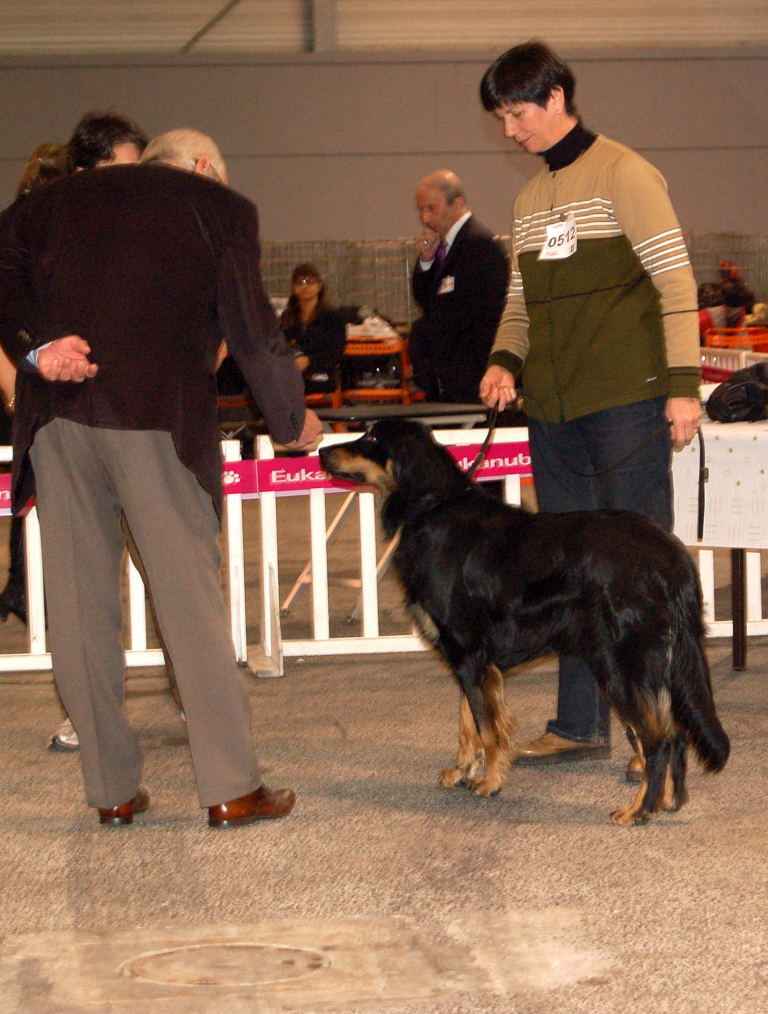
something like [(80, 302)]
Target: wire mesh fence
[(374, 273), (377, 273), (746, 251)]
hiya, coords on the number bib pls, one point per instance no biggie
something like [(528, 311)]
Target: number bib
[(561, 240)]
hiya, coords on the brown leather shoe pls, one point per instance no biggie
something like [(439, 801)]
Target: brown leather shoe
[(118, 816), (552, 749), (262, 804), (635, 770)]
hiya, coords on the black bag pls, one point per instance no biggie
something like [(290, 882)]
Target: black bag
[(743, 397)]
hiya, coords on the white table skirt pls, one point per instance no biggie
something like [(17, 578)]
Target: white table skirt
[(736, 504)]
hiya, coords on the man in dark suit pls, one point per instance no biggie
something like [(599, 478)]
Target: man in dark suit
[(460, 283), (116, 288)]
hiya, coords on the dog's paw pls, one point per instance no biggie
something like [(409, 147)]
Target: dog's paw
[(486, 786), (449, 778), (629, 816)]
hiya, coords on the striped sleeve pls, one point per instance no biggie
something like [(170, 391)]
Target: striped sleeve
[(512, 333), (645, 215)]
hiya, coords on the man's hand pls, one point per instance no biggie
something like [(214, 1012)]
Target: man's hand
[(427, 244), (310, 436), (66, 359), (497, 388), (684, 415)]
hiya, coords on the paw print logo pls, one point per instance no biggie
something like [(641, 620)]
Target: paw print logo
[(229, 477)]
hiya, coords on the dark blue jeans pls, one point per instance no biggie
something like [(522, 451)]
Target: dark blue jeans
[(643, 483)]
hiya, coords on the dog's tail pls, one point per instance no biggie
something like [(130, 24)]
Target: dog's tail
[(693, 706)]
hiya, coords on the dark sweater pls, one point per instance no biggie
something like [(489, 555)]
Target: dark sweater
[(322, 340)]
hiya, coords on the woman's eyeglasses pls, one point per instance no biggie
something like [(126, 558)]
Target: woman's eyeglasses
[(308, 280)]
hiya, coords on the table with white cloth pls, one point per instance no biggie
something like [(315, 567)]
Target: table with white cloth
[(735, 502)]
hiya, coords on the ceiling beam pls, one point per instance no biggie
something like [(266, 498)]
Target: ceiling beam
[(319, 26), (212, 22)]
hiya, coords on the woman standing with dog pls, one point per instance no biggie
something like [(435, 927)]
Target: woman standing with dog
[(601, 322)]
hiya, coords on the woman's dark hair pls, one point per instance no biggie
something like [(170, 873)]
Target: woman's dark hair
[(47, 162), (527, 73), (96, 136), (292, 311)]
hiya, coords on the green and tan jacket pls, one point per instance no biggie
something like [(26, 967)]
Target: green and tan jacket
[(616, 322)]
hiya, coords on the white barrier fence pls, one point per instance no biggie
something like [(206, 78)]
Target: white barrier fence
[(267, 657), (718, 363), (38, 658)]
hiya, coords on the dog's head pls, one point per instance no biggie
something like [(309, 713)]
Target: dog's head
[(365, 460), (397, 454)]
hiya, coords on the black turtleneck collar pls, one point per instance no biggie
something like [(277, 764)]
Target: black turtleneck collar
[(569, 148)]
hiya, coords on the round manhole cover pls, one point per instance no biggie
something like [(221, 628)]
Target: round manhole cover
[(223, 964)]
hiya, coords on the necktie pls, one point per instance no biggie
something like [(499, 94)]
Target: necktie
[(440, 254)]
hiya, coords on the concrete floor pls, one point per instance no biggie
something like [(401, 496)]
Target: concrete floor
[(382, 892)]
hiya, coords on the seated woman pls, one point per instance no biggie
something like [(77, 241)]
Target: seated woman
[(315, 329)]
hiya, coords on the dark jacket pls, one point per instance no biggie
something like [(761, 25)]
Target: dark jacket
[(461, 302), (322, 340), (152, 266)]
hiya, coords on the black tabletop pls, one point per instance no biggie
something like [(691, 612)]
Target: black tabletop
[(239, 412), (430, 412)]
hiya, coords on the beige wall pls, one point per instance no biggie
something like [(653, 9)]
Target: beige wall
[(332, 147)]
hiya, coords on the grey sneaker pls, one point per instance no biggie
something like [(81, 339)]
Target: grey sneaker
[(64, 739)]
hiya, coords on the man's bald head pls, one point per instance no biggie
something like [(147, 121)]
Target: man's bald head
[(187, 149), (441, 201)]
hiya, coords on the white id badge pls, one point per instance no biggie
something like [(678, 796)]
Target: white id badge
[(561, 240), (447, 284)]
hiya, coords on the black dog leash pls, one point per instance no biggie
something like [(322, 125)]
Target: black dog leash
[(703, 470), (492, 416), (703, 480), (595, 472)]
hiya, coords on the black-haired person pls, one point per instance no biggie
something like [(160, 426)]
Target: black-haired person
[(315, 329), (98, 140), (601, 320), (46, 163), (105, 138)]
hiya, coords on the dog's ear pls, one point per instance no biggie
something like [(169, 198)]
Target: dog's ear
[(422, 468), (386, 479), (408, 457)]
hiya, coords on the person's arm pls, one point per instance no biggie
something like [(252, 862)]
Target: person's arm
[(498, 387), (254, 339), (48, 349), (221, 354), (66, 359), (684, 416), (427, 245), (645, 215), (7, 381), (422, 281), (510, 346), (15, 295)]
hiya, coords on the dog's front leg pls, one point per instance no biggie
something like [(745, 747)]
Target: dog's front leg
[(470, 754)]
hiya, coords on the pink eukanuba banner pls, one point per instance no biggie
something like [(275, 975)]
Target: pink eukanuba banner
[(291, 476)]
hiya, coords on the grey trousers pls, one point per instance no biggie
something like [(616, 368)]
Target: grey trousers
[(87, 476)]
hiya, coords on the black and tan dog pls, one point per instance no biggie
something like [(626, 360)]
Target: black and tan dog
[(493, 586)]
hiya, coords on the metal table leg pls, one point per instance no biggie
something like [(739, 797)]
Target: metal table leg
[(739, 609)]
